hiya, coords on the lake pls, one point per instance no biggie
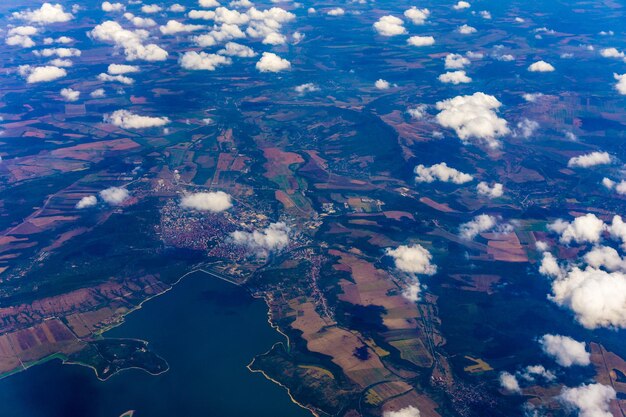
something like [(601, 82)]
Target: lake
[(208, 331)]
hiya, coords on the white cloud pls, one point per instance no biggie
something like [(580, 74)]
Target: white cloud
[(46, 14), (112, 7), (58, 62), (418, 111), (456, 61), (201, 14), (565, 350), (176, 8), (479, 224), (605, 257), (389, 26), (540, 66), (115, 78), (98, 93), (337, 11), (174, 26), (88, 201), (193, 60), (41, 74), (409, 411), (591, 400), (22, 41), (382, 84), (140, 22), (486, 190), (589, 160), (466, 30), (549, 265), (526, 128), (421, 41), (473, 117), (273, 238), (271, 62), (208, 3), (417, 16), (618, 230), (151, 8), (130, 41), (69, 94), (117, 69), (440, 172), (236, 49), (214, 202), (60, 39), (23, 30), (414, 259), (620, 86), (620, 187), (114, 195), (454, 77), (128, 120), (485, 14), (60, 52), (274, 38), (509, 382), (461, 5), (532, 371), (306, 88), (611, 53), (582, 229), (532, 97)]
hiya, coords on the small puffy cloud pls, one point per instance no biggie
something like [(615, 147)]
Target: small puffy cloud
[(236, 49), (456, 61), (130, 41), (60, 52), (617, 229), (128, 120), (46, 14), (273, 238), (193, 60), (605, 257), (592, 400), (115, 78), (69, 94), (337, 11), (421, 41), (140, 22), (173, 27), (489, 191), (389, 26), (151, 8), (565, 350), (509, 382), (85, 202), (417, 16), (22, 41), (177, 8), (583, 229), (98, 93), (589, 160), (382, 84), (466, 30), (23, 30), (271, 62), (620, 187), (620, 86), (41, 74), (214, 202), (112, 7), (485, 14), (479, 224), (455, 77), (414, 259), (60, 39), (208, 3), (473, 117), (114, 195), (306, 88), (525, 128), (409, 411), (274, 38), (118, 69), (532, 97), (201, 14), (441, 172), (531, 372), (417, 112), (540, 66), (461, 5), (549, 265), (612, 53)]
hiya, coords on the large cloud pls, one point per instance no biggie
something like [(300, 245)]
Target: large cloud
[(209, 201), (441, 172), (193, 60), (414, 259), (389, 26), (591, 400), (473, 117), (409, 411), (41, 74), (565, 350), (114, 195), (130, 41), (128, 120), (47, 13), (582, 229), (589, 160), (271, 62), (479, 224), (275, 237)]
